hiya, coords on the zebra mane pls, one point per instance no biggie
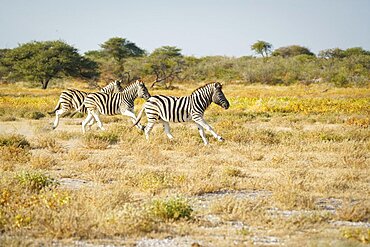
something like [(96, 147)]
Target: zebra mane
[(131, 84), (201, 87)]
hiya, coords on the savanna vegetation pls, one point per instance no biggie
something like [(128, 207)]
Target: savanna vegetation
[(119, 58), (293, 170)]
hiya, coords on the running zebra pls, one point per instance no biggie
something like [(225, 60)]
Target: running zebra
[(182, 109), (73, 98), (114, 104)]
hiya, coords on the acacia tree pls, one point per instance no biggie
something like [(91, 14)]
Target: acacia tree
[(119, 50), (166, 63), (43, 61), (292, 51), (262, 47)]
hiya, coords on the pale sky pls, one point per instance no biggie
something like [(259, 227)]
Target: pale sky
[(198, 27)]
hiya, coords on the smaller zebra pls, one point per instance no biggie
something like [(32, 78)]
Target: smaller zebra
[(73, 99), (114, 104), (182, 109)]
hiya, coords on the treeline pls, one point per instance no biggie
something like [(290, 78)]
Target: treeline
[(122, 59)]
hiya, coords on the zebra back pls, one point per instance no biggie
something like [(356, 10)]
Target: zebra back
[(111, 104)]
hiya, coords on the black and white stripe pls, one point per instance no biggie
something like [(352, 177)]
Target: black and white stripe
[(73, 99), (114, 104), (182, 109)]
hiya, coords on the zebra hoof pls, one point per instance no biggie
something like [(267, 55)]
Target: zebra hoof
[(220, 139)]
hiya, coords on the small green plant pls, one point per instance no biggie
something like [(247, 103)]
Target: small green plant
[(35, 181), (171, 209)]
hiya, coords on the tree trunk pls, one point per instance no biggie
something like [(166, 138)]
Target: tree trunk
[(45, 83)]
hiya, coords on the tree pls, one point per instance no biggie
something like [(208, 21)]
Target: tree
[(292, 51), (119, 49), (262, 47), (356, 51), (43, 61), (166, 63), (332, 53), (4, 68)]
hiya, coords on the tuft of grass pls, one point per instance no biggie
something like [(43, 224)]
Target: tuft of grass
[(359, 234), (49, 143), (42, 162), (8, 118), (355, 212), (34, 115), (76, 155), (18, 141), (171, 209), (14, 154), (100, 140), (35, 181), (232, 172)]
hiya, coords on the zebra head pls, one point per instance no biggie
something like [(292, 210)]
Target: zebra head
[(219, 97), (142, 91), (117, 86)]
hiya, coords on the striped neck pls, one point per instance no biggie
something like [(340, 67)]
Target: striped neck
[(131, 91), (202, 97)]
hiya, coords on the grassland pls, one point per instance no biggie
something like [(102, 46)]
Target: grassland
[(294, 170)]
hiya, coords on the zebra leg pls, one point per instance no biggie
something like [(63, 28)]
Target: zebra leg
[(131, 114), (167, 129), (202, 134), (87, 120), (147, 129), (58, 114), (96, 116), (206, 126), (92, 121)]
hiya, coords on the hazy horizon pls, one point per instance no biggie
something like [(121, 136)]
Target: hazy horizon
[(200, 28)]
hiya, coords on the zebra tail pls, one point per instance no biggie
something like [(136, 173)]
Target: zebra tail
[(55, 109), (77, 110), (138, 118)]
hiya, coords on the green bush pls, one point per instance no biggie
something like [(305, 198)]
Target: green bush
[(171, 209)]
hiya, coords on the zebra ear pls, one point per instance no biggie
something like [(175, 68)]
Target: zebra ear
[(218, 85)]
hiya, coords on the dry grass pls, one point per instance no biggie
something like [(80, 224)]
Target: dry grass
[(295, 160)]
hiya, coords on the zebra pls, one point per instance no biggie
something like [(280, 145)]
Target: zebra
[(114, 104), (182, 109), (73, 98)]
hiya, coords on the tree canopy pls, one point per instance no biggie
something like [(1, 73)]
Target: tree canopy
[(292, 51), (262, 47), (166, 63), (43, 61)]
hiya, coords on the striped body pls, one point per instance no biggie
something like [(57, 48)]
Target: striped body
[(73, 99), (114, 104), (182, 109), (108, 104), (169, 108)]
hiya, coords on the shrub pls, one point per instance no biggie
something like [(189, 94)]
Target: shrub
[(35, 181), (171, 209)]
